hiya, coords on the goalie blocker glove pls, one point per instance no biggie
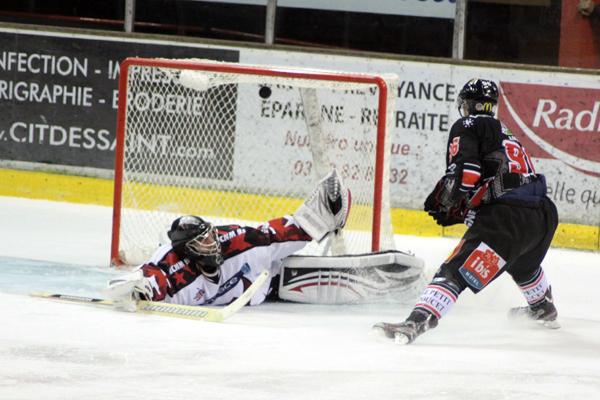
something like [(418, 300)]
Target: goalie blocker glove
[(131, 287), (327, 208)]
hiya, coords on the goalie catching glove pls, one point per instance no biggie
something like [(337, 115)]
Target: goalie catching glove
[(327, 208)]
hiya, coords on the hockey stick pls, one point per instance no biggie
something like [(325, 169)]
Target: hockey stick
[(212, 314)]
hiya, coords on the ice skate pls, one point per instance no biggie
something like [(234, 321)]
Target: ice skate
[(406, 332), (543, 312), (402, 333)]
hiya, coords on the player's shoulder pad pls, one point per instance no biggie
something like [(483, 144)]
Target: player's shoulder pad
[(468, 121)]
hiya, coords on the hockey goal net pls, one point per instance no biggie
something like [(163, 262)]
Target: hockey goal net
[(245, 144)]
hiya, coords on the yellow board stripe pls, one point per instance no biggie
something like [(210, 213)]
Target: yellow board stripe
[(57, 187), (86, 190)]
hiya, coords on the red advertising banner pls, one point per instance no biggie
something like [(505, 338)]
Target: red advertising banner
[(557, 122)]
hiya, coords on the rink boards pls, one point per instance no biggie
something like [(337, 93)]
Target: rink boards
[(86, 190)]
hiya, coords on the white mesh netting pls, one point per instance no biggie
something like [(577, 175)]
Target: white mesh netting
[(244, 148)]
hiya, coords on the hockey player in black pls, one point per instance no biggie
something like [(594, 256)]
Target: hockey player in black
[(490, 184)]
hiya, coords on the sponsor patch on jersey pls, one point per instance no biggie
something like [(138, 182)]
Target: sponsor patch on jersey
[(453, 148), (231, 234), (176, 267), (199, 295), (481, 266)]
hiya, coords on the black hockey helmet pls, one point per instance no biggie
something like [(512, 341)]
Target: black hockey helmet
[(478, 96), (197, 240)]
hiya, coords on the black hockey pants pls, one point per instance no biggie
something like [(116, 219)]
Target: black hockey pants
[(510, 236)]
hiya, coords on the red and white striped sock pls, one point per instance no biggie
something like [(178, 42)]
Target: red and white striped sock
[(535, 288), (437, 299)]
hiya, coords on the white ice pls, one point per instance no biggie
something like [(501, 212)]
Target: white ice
[(50, 350)]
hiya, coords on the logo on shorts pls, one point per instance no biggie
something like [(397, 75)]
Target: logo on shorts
[(481, 266)]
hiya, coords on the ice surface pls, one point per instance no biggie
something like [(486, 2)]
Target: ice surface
[(50, 350)]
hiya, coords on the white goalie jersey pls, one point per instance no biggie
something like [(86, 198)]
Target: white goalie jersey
[(247, 251)]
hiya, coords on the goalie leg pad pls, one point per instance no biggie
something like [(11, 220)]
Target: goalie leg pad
[(327, 208), (351, 279)]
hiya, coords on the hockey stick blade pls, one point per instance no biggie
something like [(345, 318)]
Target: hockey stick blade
[(73, 299), (146, 307), (212, 314)]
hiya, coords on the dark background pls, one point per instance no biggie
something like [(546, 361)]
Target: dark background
[(506, 31)]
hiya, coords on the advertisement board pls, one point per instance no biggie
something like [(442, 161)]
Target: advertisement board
[(59, 108), (555, 114), (59, 94)]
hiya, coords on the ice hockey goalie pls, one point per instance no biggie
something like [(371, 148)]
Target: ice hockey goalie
[(202, 264)]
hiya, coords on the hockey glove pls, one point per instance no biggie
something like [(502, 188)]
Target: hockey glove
[(441, 205), (446, 218), (326, 209), (445, 195), (433, 203)]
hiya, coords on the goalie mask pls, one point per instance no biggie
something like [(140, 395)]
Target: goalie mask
[(478, 96), (197, 240)]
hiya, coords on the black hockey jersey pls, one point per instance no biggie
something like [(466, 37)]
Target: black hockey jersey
[(488, 163)]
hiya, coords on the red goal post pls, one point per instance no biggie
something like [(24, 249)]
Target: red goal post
[(241, 143)]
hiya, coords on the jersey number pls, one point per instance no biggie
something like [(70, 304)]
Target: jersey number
[(519, 162)]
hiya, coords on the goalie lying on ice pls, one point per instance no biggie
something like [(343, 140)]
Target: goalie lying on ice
[(213, 265)]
